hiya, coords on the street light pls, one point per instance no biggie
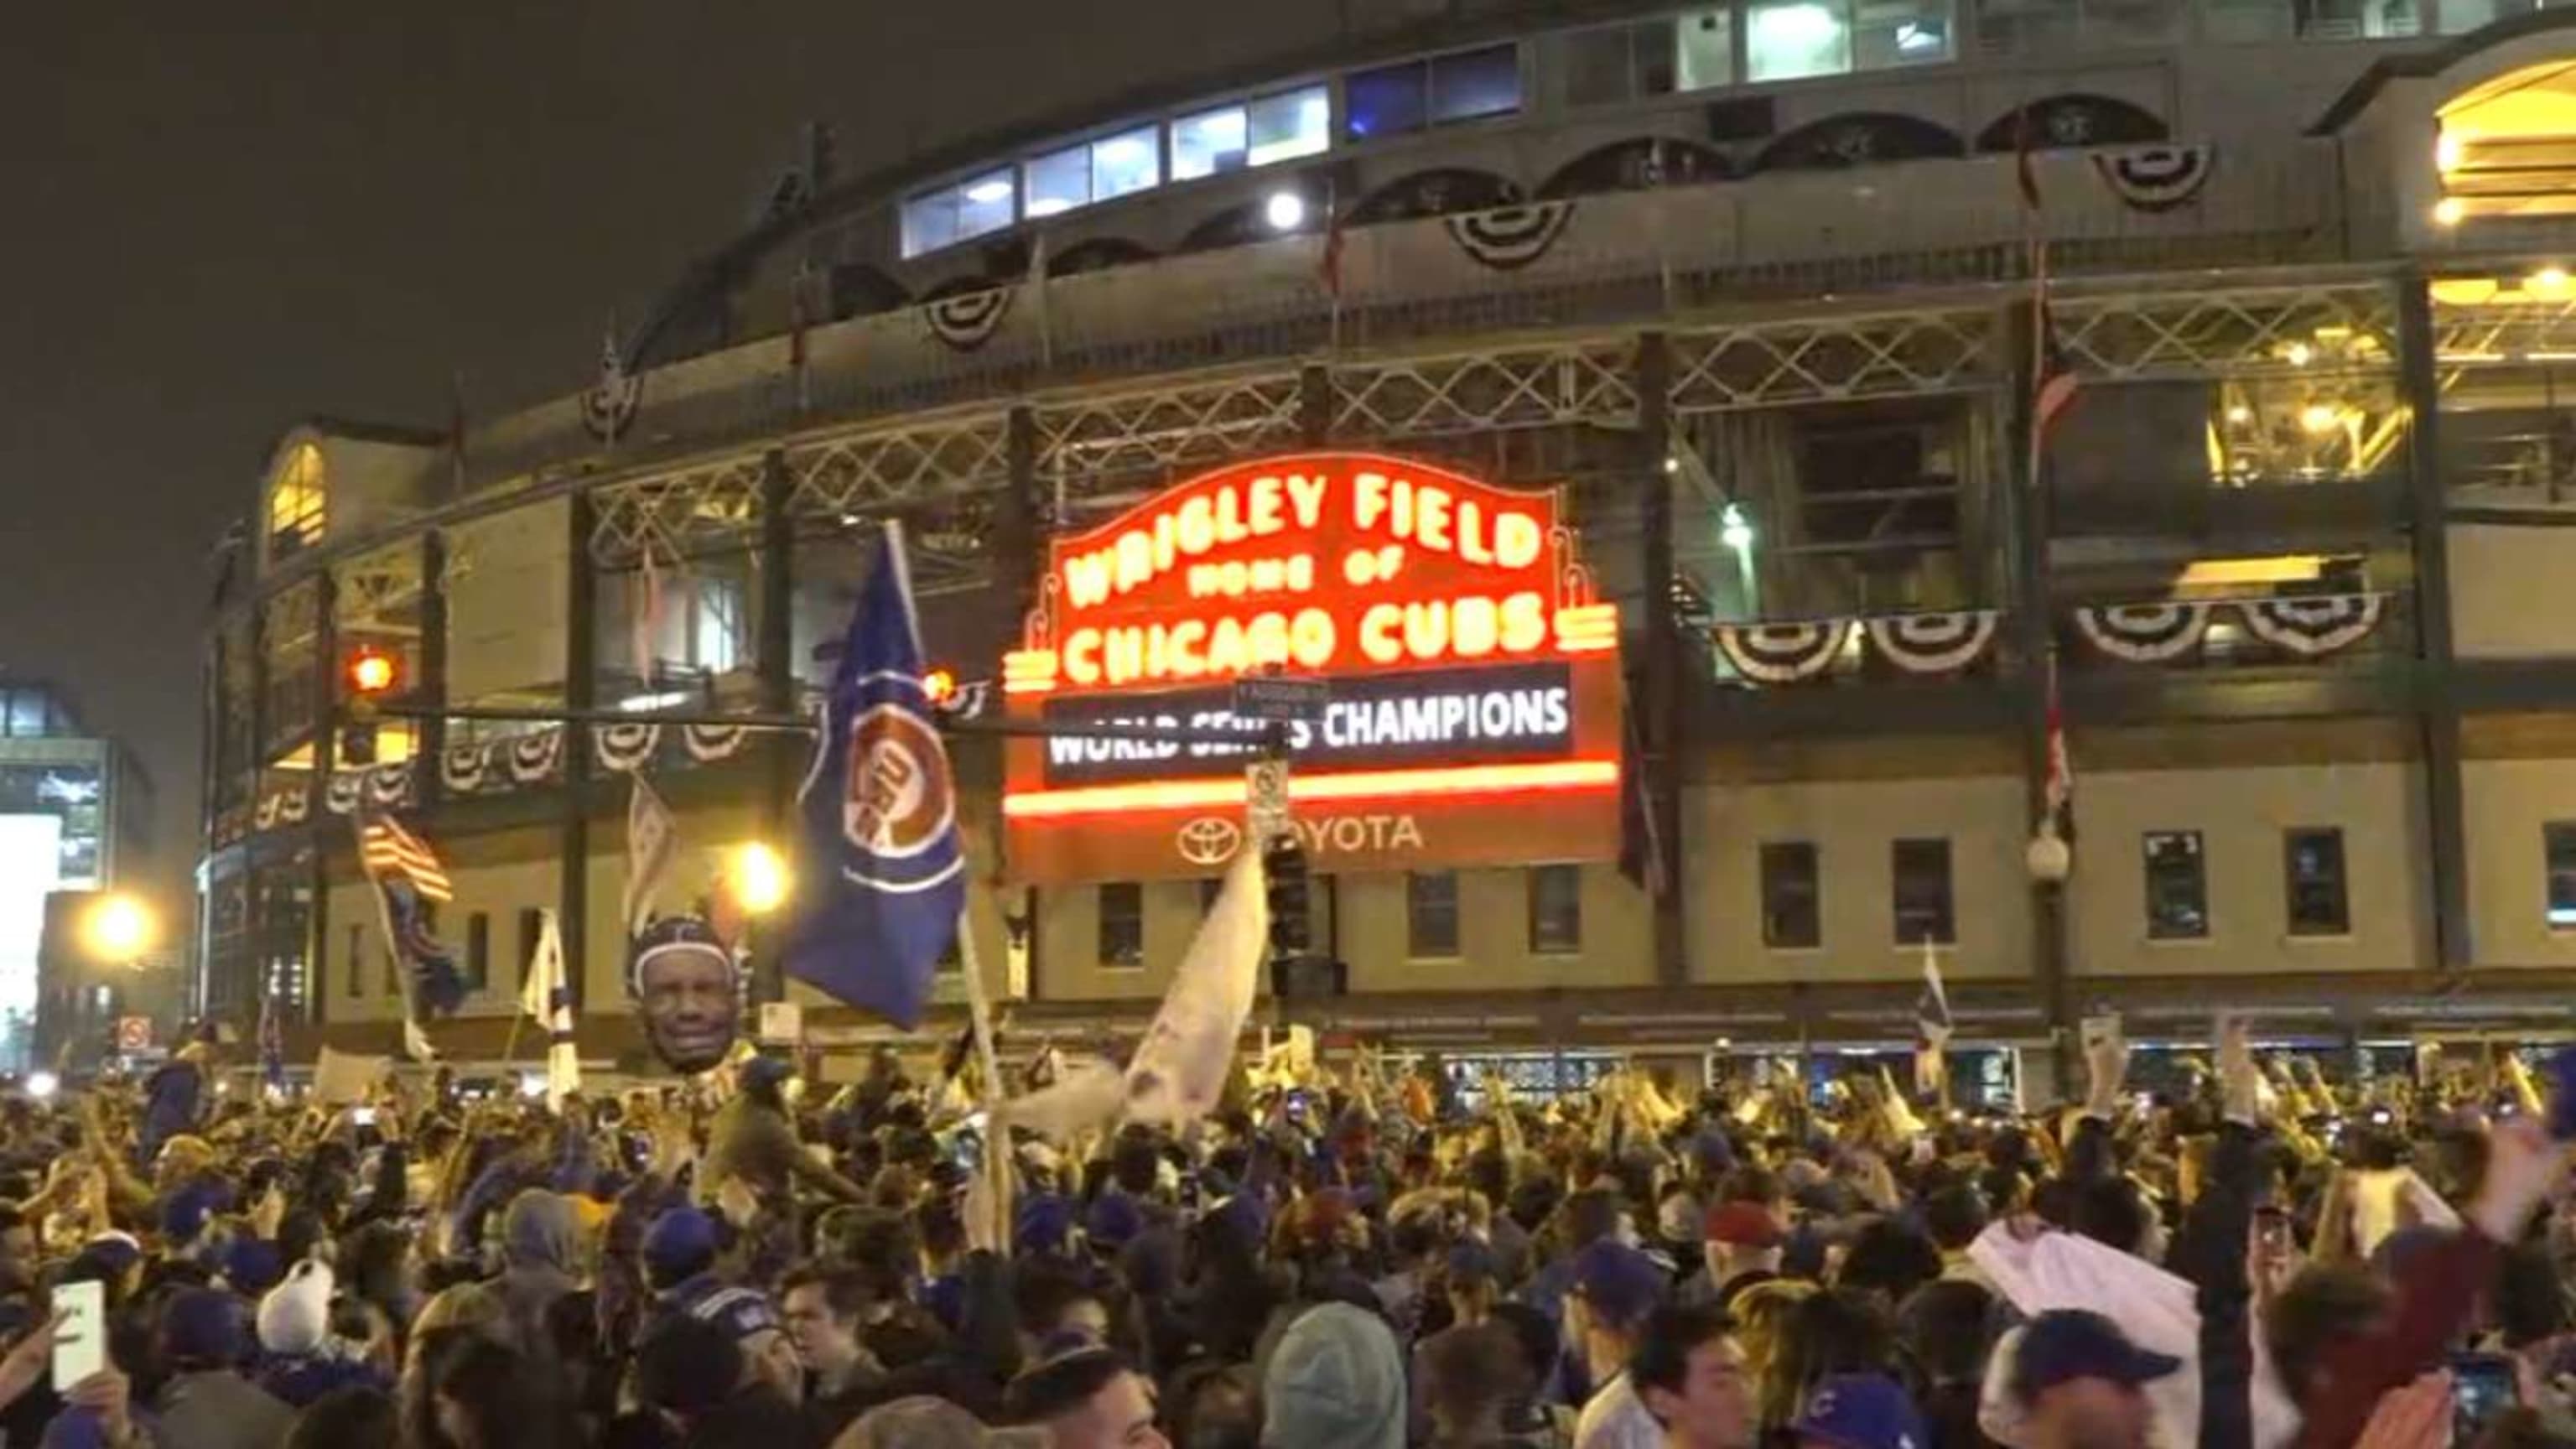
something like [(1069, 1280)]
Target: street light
[(119, 928), (759, 878)]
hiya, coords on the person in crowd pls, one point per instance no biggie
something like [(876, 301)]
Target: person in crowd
[(2077, 1383), (1688, 1373), (824, 1307), (1615, 1289), (1741, 1246), (1090, 1398)]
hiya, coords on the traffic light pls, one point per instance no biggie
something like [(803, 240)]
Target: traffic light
[(372, 673), (1283, 867)]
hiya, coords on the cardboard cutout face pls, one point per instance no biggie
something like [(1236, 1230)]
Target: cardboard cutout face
[(691, 1003)]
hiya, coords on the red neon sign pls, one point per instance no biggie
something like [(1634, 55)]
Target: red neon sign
[(1317, 564)]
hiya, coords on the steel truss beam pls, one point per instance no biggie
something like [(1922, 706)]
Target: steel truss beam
[(2289, 331), (1824, 359), (1089, 444)]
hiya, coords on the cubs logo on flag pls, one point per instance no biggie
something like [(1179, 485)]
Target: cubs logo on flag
[(878, 817)]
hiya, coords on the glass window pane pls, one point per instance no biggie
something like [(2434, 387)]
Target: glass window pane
[(1788, 39), (2459, 17), (1704, 49), (1058, 182), (2360, 20), (1291, 124), (1922, 891), (1656, 54), (2177, 886), (2248, 20), (2559, 840), (985, 205), (1476, 83), (1209, 142), (1792, 909), (930, 222), (1555, 909), (1890, 33), (1597, 67), (1122, 924), (1124, 164), (1389, 101), (1431, 914), (2313, 867)]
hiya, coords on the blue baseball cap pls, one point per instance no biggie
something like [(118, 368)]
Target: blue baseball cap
[(1861, 1411), (1043, 1223), (680, 1243), (1618, 1282), (2066, 1344)]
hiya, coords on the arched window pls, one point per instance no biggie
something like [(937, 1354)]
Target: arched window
[(296, 508), (2508, 147)]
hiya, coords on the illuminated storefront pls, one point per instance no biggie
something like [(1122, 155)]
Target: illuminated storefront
[(1473, 676)]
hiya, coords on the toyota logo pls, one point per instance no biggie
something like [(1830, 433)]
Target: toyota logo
[(1209, 840)]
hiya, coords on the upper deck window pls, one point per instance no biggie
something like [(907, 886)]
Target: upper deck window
[(1465, 85), (977, 206)]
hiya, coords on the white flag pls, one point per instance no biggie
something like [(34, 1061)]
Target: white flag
[(1179, 1069), (1084, 1095), (652, 838), (546, 996)]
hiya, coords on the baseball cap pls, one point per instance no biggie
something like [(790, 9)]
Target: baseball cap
[(1619, 1282), (203, 1328), (680, 1242), (1044, 1221), (1471, 1261), (1113, 1220), (1861, 1411), (740, 1312), (2066, 1344), (767, 1071), (1742, 1224)]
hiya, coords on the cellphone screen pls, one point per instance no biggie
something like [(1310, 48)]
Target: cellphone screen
[(80, 1345), (2482, 1387)]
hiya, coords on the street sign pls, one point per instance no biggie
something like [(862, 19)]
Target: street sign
[(134, 1033), (1280, 699), (782, 1023)]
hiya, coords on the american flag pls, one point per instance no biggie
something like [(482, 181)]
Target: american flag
[(386, 851), (2053, 385), (546, 997)]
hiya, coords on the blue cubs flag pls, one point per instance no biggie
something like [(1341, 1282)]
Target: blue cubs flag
[(881, 872)]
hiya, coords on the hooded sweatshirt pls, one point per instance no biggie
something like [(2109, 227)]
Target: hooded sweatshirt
[(540, 1248)]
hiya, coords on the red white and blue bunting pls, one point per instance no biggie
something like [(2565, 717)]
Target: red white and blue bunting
[(1508, 238), (342, 794), (389, 784), (2144, 633), (2156, 178), (462, 769), (1783, 653), (968, 320), (1939, 643), (625, 748), (709, 743), (536, 756), (2315, 625)]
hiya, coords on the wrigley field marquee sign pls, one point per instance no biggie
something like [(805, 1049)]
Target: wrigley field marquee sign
[(1470, 679)]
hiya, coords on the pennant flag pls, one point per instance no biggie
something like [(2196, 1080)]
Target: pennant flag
[(1329, 267), (1932, 1025), (408, 877), (652, 842), (2053, 384), (272, 1043), (1180, 1068), (2025, 150), (2058, 793), (1082, 1095), (880, 866), (546, 997)]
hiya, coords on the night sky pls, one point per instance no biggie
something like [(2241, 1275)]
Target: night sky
[(223, 218)]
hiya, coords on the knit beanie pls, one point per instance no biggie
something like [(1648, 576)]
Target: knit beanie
[(295, 1317), (1336, 1381)]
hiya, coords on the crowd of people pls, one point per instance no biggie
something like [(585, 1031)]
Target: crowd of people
[(1371, 1259)]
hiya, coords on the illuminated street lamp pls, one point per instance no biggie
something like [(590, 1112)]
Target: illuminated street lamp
[(758, 878), (119, 928)]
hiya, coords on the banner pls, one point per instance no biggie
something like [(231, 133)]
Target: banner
[(880, 866), (345, 1078), (1180, 1068)]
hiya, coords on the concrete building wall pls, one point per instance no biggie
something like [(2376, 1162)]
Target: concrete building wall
[(507, 581), (2242, 814), (2513, 590), (1853, 823), (2519, 779)]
